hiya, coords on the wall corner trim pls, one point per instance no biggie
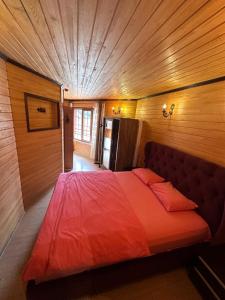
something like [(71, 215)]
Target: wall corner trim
[(186, 87), (12, 61)]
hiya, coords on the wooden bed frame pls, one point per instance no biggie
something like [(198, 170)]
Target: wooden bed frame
[(200, 181)]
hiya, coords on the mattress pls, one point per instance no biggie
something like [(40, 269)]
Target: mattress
[(100, 218), (165, 230)]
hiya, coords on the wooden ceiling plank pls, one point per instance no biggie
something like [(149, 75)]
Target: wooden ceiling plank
[(178, 16), (207, 55), (152, 89), (208, 41), (87, 14), (22, 40), (19, 13), (83, 72), (105, 13), (191, 38), (193, 78), (157, 20), (34, 11), (11, 48), (205, 28), (8, 49), (142, 14), (69, 11), (116, 49), (171, 83), (205, 68), (211, 55), (124, 13), (197, 55), (17, 33), (50, 10)]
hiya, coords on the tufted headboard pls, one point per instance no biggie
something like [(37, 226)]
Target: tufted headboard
[(197, 179)]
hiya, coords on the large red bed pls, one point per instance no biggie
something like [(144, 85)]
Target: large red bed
[(99, 218)]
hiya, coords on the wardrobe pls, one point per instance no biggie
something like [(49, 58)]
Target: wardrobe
[(119, 143)]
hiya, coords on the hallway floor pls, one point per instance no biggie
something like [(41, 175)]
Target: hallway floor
[(167, 286), (81, 163)]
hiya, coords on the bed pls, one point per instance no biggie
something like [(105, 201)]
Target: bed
[(165, 234)]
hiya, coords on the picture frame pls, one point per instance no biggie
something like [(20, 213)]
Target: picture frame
[(42, 113)]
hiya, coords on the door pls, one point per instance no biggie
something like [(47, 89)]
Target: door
[(107, 143), (68, 138), (110, 138)]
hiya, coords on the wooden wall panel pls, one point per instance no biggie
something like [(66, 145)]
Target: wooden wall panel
[(11, 204), (39, 153), (197, 125), (84, 104), (129, 108)]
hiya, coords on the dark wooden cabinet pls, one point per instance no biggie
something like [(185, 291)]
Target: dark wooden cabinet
[(68, 138), (119, 143)]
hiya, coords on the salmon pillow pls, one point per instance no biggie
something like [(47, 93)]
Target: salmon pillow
[(171, 198), (147, 175)]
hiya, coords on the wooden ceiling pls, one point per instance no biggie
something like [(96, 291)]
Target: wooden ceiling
[(116, 48)]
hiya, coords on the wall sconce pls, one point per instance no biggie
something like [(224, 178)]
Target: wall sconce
[(117, 111), (41, 109), (165, 113)]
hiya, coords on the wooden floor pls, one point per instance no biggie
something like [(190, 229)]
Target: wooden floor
[(174, 285)]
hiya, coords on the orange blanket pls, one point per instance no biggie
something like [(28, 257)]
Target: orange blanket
[(89, 223)]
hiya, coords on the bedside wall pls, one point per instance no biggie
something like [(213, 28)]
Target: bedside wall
[(11, 204), (196, 127)]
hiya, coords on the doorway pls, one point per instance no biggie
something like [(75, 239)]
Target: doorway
[(81, 135), (83, 132)]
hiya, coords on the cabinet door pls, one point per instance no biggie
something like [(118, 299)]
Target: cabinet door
[(126, 144), (68, 138), (114, 144), (107, 139)]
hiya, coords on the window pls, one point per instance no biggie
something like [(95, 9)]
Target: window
[(83, 124)]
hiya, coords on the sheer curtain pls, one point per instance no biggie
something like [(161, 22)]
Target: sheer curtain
[(94, 132)]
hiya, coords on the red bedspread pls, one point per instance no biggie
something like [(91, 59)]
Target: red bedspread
[(89, 223)]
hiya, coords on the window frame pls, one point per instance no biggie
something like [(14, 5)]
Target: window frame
[(82, 125)]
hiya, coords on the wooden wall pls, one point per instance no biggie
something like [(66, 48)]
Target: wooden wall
[(39, 153), (197, 125), (85, 104), (11, 205), (129, 108)]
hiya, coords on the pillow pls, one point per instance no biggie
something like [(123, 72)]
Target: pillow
[(147, 176), (171, 198)]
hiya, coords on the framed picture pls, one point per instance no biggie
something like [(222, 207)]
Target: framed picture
[(41, 113)]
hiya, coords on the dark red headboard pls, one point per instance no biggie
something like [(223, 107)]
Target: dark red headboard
[(197, 179)]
